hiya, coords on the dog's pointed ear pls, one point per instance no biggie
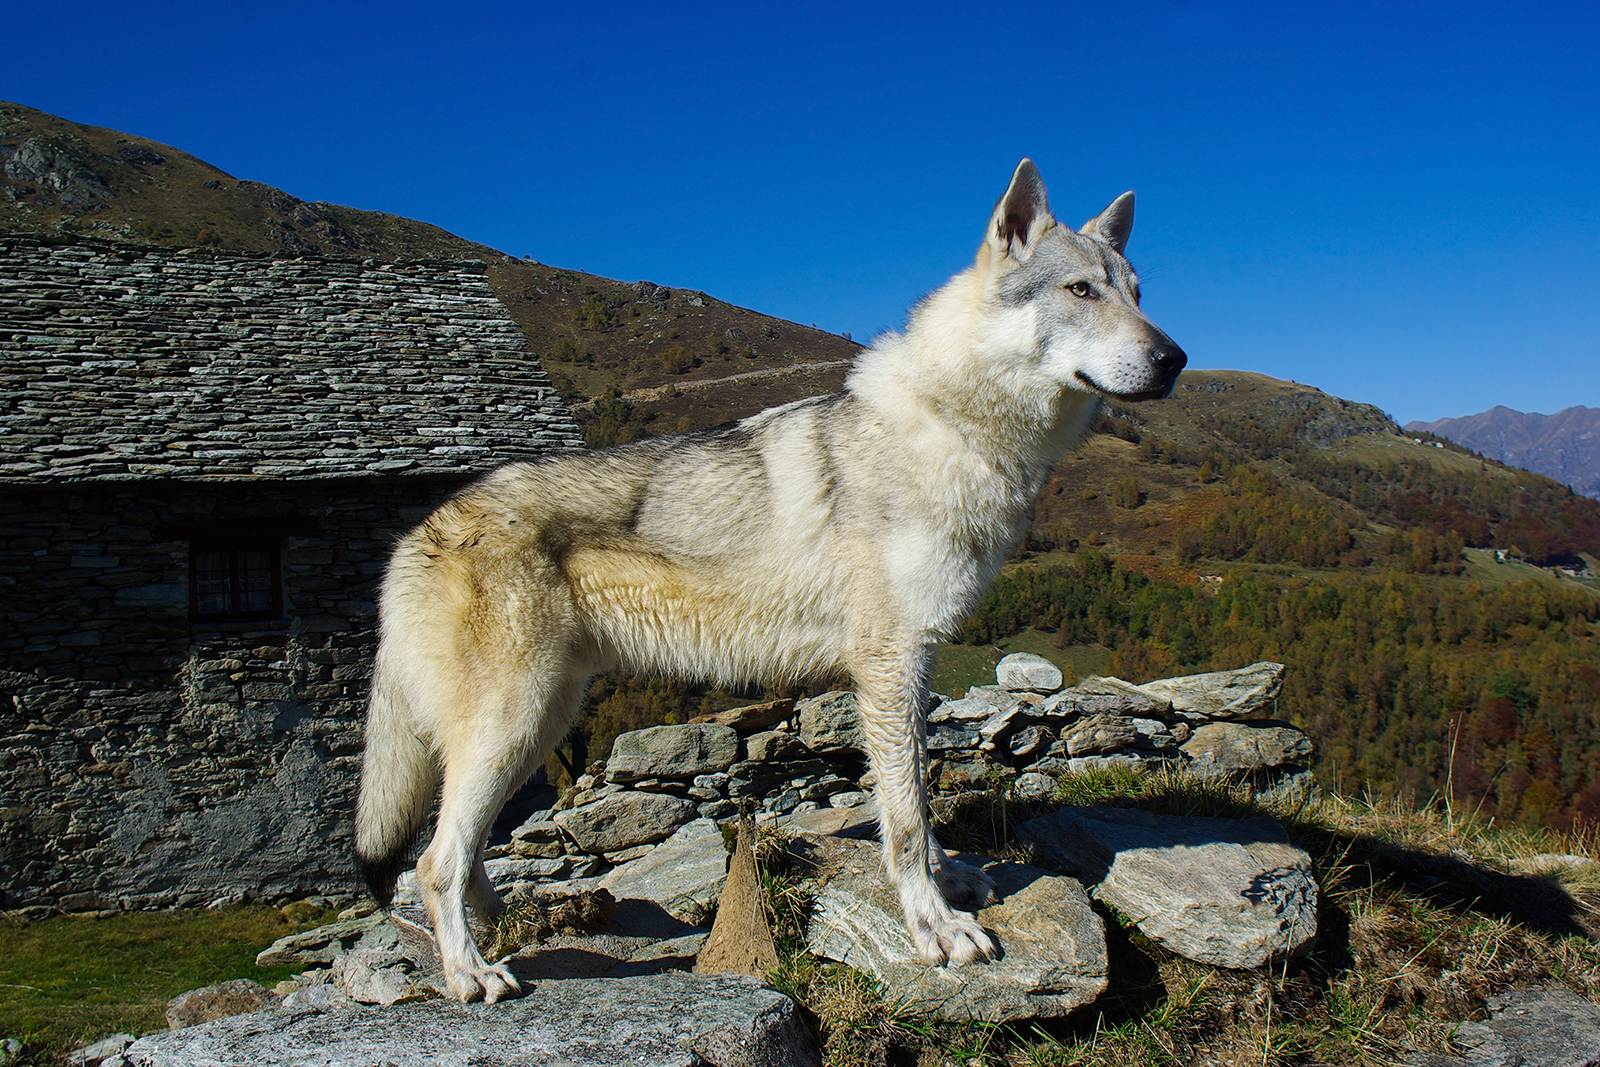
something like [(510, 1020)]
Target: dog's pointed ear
[(1114, 225), (1022, 216)]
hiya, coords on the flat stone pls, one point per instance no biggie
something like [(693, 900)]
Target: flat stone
[(683, 874), (1054, 952), (1101, 696), (1549, 1027), (664, 1020), (1221, 694), (622, 820), (1226, 749), (671, 752), (847, 820), (1228, 892), (751, 717), (771, 745), (1027, 672), (965, 709), (830, 722), (92, 1055), (1098, 733), (1032, 786), (324, 943), (236, 997)]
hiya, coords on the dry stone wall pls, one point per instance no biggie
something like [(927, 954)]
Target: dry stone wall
[(147, 760), (151, 399)]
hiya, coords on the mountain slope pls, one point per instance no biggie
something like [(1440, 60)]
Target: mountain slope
[(606, 343), (1564, 446)]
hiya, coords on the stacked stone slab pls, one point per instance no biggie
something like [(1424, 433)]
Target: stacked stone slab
[(1029, 724), (790, 757)]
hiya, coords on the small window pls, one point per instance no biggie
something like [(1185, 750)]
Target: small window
[(234, 581)]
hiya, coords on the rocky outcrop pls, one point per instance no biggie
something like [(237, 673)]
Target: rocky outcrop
[(1549, 1027), (1228, 892), (1054, 944), (619, 880), (666, 1020)]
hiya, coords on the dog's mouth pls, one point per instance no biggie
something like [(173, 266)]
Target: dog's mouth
[(1161, 392)]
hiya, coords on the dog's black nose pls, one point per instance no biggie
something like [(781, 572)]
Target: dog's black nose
[(1169, 359)]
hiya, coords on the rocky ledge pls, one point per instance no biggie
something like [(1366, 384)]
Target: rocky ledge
[(624, 874)]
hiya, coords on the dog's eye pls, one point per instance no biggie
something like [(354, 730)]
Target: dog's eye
[(1080, 289)]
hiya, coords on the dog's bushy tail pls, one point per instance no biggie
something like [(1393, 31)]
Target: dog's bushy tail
[(399, 777)]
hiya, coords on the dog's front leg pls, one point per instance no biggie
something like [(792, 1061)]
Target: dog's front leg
[(890, 690)]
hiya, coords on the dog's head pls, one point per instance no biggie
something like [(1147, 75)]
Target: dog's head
[(1081, 295)]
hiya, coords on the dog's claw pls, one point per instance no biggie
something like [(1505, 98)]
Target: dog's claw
[(494, 982), (957, 940)]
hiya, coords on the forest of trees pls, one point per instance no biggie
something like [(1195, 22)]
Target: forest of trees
[(1389, 672)]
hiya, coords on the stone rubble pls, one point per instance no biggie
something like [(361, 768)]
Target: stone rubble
[(636, 842)]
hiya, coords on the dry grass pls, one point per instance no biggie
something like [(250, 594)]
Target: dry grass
[(1425, 913), (532, 919)]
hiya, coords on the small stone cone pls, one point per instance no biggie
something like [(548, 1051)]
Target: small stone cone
[(741, 939)]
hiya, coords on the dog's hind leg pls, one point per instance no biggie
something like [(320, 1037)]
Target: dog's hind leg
[(891, 689), (493, 747)]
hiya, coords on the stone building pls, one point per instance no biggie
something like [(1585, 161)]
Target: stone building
[(204, 459)]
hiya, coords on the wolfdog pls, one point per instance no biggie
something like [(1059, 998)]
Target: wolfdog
[(846, 533)]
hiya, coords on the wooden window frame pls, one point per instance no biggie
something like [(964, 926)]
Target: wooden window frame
[(233, 546)]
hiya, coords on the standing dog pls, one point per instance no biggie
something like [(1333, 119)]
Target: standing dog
[(848, 532)]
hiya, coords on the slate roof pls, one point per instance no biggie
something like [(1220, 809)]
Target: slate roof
[(121, 363)]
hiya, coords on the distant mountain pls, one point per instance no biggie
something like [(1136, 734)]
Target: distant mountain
[(1564, 446)]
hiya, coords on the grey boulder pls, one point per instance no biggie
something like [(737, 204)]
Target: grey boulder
[(210, 1002), (1098, 733), (1527, 1028), (325, 943), (1095, 696), (683, 874), (672, 752), (1229, 749), (662, 1020), (830, 722), (1026, 672), (1228, 892), (1053, 943), (1220, 694), (622, 820)]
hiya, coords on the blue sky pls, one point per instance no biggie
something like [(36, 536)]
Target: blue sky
[(1399, 204)]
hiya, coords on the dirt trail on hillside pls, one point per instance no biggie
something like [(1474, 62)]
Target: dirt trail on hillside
[(656, 392)]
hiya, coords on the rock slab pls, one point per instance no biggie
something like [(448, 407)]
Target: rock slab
[(1220, 694), (665, 1020), (218, 1001), (672, 752), (1528, 1028), (1228, 892), (683, 874), (1227, 749), (622, 820), (1053, 943)]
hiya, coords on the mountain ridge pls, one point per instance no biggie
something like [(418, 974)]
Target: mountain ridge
[(1564, 446)]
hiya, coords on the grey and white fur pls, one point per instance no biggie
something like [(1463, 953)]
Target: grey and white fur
[(845, 533)]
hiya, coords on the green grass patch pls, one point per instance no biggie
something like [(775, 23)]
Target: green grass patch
[(66, 980)]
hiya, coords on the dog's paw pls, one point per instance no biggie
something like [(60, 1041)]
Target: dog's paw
[(956, 939), (964, 886), (488, 983)]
